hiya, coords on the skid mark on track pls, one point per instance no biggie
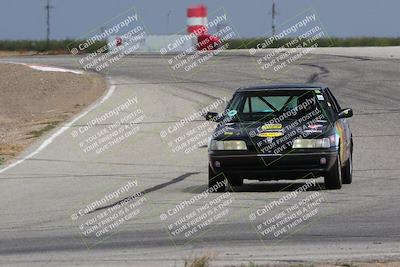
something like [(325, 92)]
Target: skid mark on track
[(151, 189), (317, 75)]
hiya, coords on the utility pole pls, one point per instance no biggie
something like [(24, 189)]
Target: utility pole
[(168, 16), (273, 17), (48, 7)]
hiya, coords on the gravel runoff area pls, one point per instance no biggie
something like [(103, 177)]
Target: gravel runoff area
[(33, 102)]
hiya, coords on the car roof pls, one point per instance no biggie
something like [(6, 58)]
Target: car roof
[(281, 86)]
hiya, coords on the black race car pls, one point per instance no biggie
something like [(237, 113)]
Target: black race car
[(284, 131)]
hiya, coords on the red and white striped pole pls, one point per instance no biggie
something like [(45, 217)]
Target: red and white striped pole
[(197, 19)]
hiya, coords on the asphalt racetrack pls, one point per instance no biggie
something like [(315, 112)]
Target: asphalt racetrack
[(40, 196)]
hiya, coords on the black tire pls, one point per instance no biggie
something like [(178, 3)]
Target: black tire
[(235, 181), (347, 171), (333, 179), (214, 179)]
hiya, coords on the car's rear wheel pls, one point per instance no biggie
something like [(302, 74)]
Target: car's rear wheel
[(333, 179), (216, 180), (235, 181), (347, 171)]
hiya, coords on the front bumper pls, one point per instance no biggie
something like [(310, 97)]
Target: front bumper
[(292, 165)]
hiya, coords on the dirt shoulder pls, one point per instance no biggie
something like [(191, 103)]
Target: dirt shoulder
[(33, 102), (17, 53), (31, 53)]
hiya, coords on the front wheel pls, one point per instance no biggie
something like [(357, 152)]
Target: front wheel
[(347, 171), (216, 181), (333, 179)]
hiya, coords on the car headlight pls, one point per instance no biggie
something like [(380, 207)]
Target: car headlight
[(228, 145), (312, 143)]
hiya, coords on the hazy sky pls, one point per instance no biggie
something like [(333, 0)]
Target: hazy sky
[(25, 19)]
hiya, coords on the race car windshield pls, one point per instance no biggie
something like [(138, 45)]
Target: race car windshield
[(264, 105)]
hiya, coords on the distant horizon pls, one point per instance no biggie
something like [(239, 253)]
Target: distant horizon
[(242, 38), (72, 19)]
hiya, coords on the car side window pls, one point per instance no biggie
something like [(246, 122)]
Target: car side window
[(335, 102), (331, 102), (246, 107)]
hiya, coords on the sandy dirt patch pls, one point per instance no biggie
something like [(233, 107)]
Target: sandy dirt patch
[(34, 102)]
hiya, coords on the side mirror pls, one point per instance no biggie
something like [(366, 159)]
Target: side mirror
[(345, 113), (212, 116)]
